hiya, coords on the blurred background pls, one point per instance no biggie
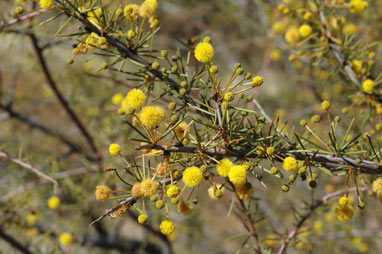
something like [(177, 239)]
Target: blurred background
[(36, 129)]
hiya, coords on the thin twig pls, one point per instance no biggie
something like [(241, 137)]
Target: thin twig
[(28, 166), (61, 98), (20, 19), (323, 201)]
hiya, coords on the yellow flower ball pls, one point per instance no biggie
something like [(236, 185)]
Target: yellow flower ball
[(54, 202), (192, 176), (357, 66), (167, 227), (238, 175), (181, 129), (136, 190), (357, 6), (325, 105), (31, 218), (114, 149), (204, 52), (305, 30), (344, 212), (257, 81), (173, 191), (350, 29), (290, 164), (142, 219), (275, 54), (149, 187), (377, 185), (292, 35), (224, 166), (46, 4), (102, 192), (229, 96), (148, 8), (278, 27), (134, 100), (66, 238), (151, 116), (216, 192), (117, 99), (368, 86)]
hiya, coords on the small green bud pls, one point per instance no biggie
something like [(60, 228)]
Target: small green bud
[(285, 188), (164, 53), (171, 106)]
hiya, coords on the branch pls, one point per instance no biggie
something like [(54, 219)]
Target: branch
[(323, 201), (12, 241), (61, 98), (27, 166), (328, 161), (20, 19)]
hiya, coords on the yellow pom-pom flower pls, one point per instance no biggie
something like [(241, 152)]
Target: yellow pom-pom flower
[(257, 81), (46, 4), (148, 8), (305, 30), (66, 238), (31, 218), (278, 27), (151, 116), (216, 192), (350, 29), (238, 174), (224, 166), (134, 100), (173, 191), (54, 202), (181, 129), (344, 212), (167, 227), (229, 96), (368, 86), (117, 99), (192, 176), (325, 105), (292, 35), (102, 192), (114, 149), (290, 164), (136, 190), (357, 6), (204, 52), (142, 219), (149, 187)]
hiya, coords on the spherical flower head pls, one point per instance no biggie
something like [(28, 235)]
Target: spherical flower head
[(229, 96), (224, 167), (66, 238), (290, 164), (377, 185), (204, 52), (31, 218), (270, 150), (325, 105), (131, 34), (350, 29), (149, 187), (303, 122), (278, 27), (19, 10), (119, 212), (192, 176), (173, 191), (357, 66), (243, 192), (151, 116), (238, 175), (167, 227), (117, 99), (368, 86), (46, 4), (136, 190), (102, 192), (292, 35), (134, 100), (159, 204), (181, 129), (114, 149), (344, 201), (305, 30), (142, 219), (315, 119), (344, 212), (357, 6), (275, 54), (184, 207), (214, 69), (147, 8), (257, 81), (272, 240), (54, 202)]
